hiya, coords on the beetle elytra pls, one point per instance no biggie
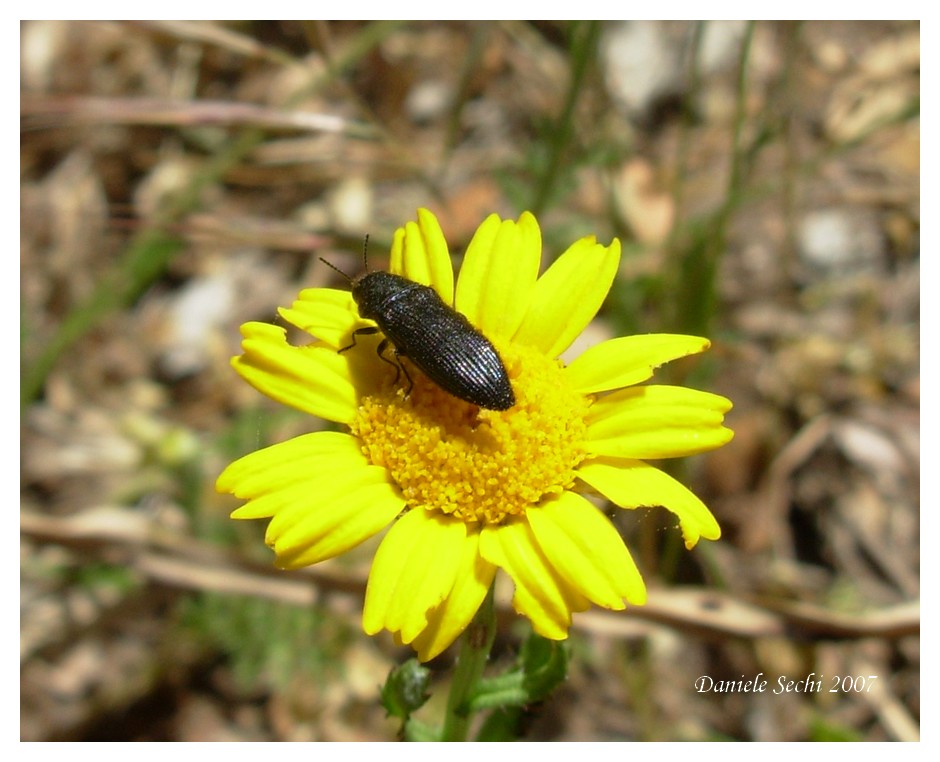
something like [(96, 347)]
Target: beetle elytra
[(440, 341)]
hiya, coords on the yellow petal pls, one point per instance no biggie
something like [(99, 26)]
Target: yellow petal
[(413, 570), (583, 546), (419, 253), (358, 514), (632, 484), (315, 379), (541, 593), (628, 360), (450, 618), (568, 295), (326, 313), (322, 504), (499, 273), (296, 460), (657, 422)]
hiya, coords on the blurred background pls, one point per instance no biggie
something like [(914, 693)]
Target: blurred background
[(180, 178)]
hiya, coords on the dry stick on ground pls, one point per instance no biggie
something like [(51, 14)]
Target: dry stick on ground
[(183, 562)]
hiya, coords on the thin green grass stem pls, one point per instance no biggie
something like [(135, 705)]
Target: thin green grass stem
[(698, 262), (584, 39)]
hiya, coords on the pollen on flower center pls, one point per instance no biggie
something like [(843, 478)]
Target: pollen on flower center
[(479, 465)]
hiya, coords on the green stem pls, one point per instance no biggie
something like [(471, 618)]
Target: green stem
[(475, 645)]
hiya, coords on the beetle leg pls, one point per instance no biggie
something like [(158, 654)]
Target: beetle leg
[(380, 350), (399, 365), (366, 331), (404, 370), (396, 363)]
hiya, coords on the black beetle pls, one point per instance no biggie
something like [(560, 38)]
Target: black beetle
[(435, 337)]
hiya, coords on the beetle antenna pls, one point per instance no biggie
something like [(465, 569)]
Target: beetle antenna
[(334, 267), (365, 250)]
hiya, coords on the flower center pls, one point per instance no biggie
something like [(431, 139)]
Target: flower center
[(478, 465)]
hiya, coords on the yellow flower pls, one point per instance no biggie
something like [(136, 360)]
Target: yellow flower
[(468, 490)]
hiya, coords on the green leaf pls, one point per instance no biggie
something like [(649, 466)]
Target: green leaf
[(542, 666), (501, 725)]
